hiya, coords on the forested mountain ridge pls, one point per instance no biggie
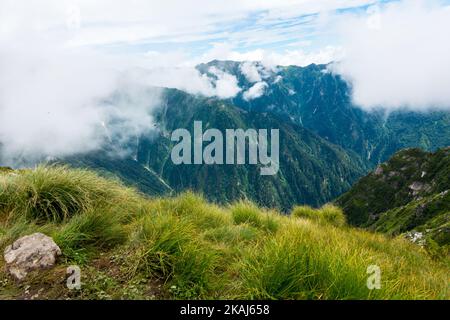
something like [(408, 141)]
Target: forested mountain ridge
[(410, 193)]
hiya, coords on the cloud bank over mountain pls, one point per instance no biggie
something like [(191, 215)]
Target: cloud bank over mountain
[(75, 73), (398, 56), (49, 99), (57, 101)]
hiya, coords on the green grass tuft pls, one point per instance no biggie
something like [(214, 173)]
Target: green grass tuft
[(57, 193), (86, 234), (167, 247), (327, 214), (247, 212)]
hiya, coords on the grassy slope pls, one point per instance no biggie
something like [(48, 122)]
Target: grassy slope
[(133, 247)]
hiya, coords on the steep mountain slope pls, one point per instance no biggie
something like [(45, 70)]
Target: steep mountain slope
[(312, 170), (321, 102), (410, 192), (127, 169)]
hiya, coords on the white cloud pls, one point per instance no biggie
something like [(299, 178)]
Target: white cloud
[(250, 71), (256, 91), (277, 79), (226, 51), (226, 85), (302, 58), (183, 78), (270, 59), (103, 22), (56, 101), (398, 56), (53, 102)]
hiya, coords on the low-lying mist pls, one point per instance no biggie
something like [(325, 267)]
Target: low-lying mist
[(57, 101)]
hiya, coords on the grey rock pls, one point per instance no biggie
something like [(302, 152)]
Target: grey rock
[(379, 171), (416, 186), (33, 252), (394, 174)]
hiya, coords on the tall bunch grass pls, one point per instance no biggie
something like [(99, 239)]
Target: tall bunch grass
[(57, 193), (326, 214), (167, 246), (248, 213)]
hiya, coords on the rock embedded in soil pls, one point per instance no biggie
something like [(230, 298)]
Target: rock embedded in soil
[(29, 253)]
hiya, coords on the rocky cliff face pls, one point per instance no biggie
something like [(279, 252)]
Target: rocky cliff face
[(408, 194)]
